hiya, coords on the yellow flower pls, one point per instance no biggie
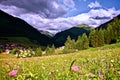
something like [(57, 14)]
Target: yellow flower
[(112, 60)]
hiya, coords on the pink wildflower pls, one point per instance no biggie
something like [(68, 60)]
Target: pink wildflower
[(75, 68), (13, 73), (7, 51)]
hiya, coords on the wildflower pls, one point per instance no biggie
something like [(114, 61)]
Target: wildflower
[(99, 72), (75, 68), (43, 67), (90, 75), (13, 73), (112, 61), (7, 51)]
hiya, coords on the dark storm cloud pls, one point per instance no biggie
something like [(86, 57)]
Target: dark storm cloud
[(45, 8), (100, 18)]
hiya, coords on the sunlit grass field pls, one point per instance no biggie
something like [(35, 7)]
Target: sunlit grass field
[(102, 63)]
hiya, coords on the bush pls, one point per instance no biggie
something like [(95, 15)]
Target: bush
[(23, 53), (38, 52), (50, 50), (13, 51)]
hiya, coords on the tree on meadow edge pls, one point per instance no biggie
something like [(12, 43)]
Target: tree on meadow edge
[(108, 34), (38, 52), (85, 41), (69, 45), (112, 33), (50, 50), (116, 29), (78, 44), (93, 38), (53, 49), (82, 42), (101, 37)]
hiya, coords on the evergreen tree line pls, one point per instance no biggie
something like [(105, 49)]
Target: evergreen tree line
[(96, 38), (48, 51)]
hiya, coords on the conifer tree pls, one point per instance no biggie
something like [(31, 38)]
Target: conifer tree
[(53, 49), (79, 43), (50, 50), (47, 50), (93, 38), (109, 34), (100, 37), (69, 45), (38, 52), (116, 28), (73, 44), (85, 41)]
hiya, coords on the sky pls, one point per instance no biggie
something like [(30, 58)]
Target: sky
[(58, 15)]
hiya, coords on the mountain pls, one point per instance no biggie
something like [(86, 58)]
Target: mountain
[(105, 24), (14, 27), (60, 38), (50, 35)]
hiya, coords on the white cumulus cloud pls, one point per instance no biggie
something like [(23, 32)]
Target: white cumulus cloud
[(45, 14), (60, 24), (94, 4)]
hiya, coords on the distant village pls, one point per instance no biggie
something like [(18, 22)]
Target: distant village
[(9, 46)]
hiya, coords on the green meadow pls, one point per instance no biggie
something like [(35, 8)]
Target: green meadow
[(101, 63)]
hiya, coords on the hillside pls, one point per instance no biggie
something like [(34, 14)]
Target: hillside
[(60, 38), (14, 27), (105, 24)]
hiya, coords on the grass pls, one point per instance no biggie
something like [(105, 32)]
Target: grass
[(106, 46), (101, 63)]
